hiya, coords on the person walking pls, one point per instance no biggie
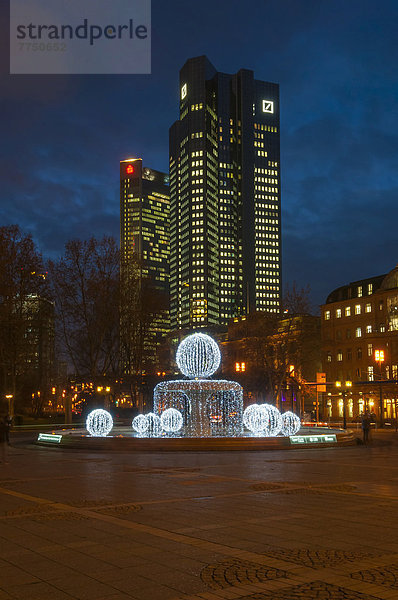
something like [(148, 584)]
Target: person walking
[(365, 421), (3, 441)]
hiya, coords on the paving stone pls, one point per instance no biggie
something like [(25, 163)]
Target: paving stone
[(237, 572), (85, 525), (386, 575), (318, 559), (314, 590)]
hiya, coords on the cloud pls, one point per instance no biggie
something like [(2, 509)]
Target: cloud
[(62, 137)]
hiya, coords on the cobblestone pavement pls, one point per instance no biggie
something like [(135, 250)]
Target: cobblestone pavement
[(318, 558), (315, 589), (387, 575), (236, 572), (276, 525)]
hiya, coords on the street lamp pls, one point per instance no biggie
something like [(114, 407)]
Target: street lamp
[(10, 398), (292, 375), (379, 358), (347, 384)]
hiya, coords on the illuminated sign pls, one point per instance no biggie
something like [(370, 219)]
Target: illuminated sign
[(130, 169), (313, 439), (321, 382), (49, 437), (183, 91), (268, 106)]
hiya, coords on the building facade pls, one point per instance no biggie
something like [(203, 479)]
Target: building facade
[(145, 251), (360, 346), (225, 223)]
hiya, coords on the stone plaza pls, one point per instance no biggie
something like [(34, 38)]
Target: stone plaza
[(307, 524)]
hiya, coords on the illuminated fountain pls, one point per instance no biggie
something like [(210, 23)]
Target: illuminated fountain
[(200, 407), (208, 406), (198, 413)]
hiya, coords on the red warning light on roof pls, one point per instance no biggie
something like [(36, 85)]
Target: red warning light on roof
[(130, 169)]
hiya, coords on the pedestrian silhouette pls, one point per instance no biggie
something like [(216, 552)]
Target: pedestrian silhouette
[(365, 422)]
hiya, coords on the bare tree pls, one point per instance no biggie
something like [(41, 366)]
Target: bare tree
[(23, 292), (272, 342), (143, 308), (86, 289)]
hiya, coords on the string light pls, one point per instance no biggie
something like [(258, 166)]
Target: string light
[(171, 420), (275, 420), (256, 418), (198, 355), (290, 423), (99, 423), (154, 427), (208, 407), (140, 424)]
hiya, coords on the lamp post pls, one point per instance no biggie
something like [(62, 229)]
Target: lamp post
[(379, 358), (347, 384), (291, 374), (10, 398)]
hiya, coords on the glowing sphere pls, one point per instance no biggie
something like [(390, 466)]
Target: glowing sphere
[(275, 420), (154, 427), (198, 355), (256, 418), (171, 420), (140, 424), (290, 423), (99, 423)]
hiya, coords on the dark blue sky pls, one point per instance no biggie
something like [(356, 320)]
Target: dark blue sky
[(337, 65)]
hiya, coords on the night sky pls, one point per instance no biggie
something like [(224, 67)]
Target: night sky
[(337, 65)]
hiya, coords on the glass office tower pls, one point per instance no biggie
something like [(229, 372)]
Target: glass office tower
[(144, 238), (225, 225)]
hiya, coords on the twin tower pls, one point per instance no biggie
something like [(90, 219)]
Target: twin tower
[(209, 232)]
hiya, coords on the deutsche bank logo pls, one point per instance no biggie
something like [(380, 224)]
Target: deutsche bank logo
[(268, 106)]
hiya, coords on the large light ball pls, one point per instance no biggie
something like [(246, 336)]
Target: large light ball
[(198, 355), (275, 420), (290, 423), (140, 424), (256, 418), (154, 427), (171, 420), (99, 423)]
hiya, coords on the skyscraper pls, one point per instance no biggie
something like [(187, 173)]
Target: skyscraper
[(225, 226), (144, 241)]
